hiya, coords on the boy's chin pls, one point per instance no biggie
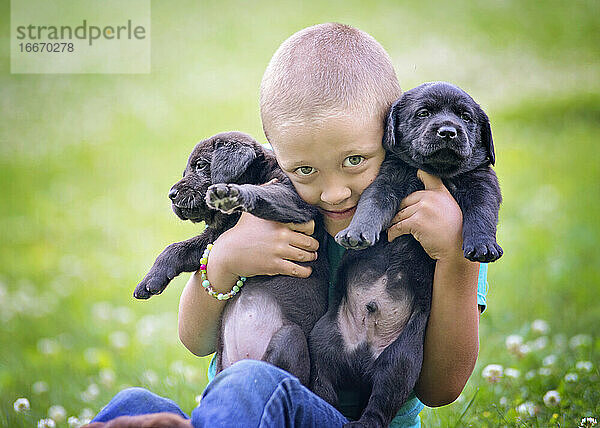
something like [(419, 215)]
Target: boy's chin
[(334, 226)]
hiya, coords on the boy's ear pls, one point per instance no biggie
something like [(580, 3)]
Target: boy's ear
[(230, 160), (389, 131), (486, 136)]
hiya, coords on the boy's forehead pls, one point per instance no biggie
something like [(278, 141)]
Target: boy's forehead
[(333, 137)]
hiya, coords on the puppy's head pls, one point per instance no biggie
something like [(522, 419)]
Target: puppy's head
[(438, 127), (222, 158)]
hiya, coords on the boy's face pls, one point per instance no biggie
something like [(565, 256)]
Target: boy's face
[(331, 164)]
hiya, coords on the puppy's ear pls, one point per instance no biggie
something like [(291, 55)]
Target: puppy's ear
[(486, 136), (230, 160), (389, 131)]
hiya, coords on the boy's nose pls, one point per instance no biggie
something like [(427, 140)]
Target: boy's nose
[(335, 195)]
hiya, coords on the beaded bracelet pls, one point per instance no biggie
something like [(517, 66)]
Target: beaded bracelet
[(206, 283)]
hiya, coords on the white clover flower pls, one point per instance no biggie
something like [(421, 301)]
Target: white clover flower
[(540, 327), (86, 413), (57, 413), (503, 401), (571, 377), (102, 311), (530, 374), (46, 423), (90, 393), (150, 377), (587, 422), (550, 360), (198, 399), (74, 422), (512, 373), (524, 349), (513, 343), (21, 405), (580, 340), (545, 371), (539, 343), (177, 367), (119, 339), (39, 387), (584, 366), (47, 346), (492, 373), (107, 377), (552, 398), (560, 340), (123, 314), (527, 409)]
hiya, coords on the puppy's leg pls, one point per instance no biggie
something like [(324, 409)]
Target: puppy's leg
[(275, 201), (479, 199), (328, 358), (176, 258), (396, 372), (378, 205), (288, 350)]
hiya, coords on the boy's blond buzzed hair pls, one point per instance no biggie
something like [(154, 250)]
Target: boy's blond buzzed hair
[(324, 70)]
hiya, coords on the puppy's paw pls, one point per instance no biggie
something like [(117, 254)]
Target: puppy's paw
[(225, 198), (357, 238), (153, 283), (482, 250)]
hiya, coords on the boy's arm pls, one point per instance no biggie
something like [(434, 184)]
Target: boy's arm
[(433, 217), (253, 247)]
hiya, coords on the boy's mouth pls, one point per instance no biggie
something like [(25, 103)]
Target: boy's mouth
[(339, 215)]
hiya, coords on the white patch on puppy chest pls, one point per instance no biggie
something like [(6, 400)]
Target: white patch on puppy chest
[(370, 315)]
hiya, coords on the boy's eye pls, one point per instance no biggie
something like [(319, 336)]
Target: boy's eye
[(353, 160), (305, 170)]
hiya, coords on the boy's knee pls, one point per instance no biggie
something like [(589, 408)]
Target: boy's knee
[(133, 394), (259, 369)]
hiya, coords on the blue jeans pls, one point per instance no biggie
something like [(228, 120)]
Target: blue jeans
[(248, 394)]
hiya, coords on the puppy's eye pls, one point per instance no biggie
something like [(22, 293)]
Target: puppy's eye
[(423, 113), (354, 160), (304, 170), (201, 166), (466, 116)]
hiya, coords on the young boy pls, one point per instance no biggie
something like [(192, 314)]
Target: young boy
[(324, 97)]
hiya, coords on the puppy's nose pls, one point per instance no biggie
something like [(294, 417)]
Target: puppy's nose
[(447, 132), (173, 193)]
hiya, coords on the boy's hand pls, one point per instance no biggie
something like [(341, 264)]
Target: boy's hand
[(433, 217), (262, 247)]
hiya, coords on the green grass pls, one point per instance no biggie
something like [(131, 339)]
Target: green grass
[(86, 162)]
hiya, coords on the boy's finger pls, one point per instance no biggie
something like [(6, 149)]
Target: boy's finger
[(304, 242), (430, 182), (306, 228), (292, 269), (405, 213), (412, 199), (297, 255), (403, 227)]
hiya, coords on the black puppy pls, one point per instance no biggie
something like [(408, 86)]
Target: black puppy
[(271, 317), (372, 336)]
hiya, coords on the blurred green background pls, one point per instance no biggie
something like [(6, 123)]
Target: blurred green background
[(86, 162)]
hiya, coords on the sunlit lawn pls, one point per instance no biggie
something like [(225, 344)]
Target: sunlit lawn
[(86, 162)]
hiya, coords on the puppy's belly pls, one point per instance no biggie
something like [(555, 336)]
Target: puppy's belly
[(249, 322), (370, 315)]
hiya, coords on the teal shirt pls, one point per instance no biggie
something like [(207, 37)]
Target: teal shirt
[(408, 415)]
